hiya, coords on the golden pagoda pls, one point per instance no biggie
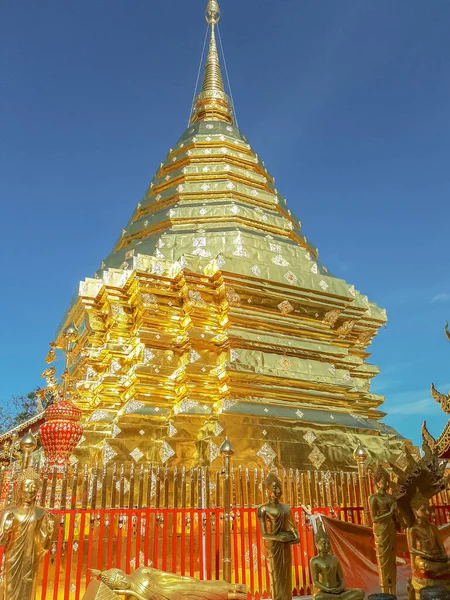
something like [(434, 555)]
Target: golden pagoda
[(212, 316)]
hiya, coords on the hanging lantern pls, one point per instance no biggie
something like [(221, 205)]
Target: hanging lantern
[(61, 431)]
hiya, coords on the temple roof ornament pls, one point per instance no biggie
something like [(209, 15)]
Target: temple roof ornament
[(442, 443), (212, 103)]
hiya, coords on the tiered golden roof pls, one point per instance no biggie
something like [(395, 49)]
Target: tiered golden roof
[(213, 315)]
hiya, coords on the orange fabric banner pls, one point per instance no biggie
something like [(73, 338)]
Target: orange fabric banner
[(354, 546)]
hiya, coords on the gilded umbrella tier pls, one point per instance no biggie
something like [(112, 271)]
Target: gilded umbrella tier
[(213, 315)]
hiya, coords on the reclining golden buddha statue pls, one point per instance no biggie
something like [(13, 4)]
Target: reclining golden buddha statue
[(148, 583)]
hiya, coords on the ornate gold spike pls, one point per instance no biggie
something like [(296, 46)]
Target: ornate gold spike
[(444, 401), (447, 332), (212, 79), (212, 14)]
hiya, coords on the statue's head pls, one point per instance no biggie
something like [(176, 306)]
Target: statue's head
[(322, 540), (28, 485), (115, 579), (381, 477), (421, 507), (273, 486)]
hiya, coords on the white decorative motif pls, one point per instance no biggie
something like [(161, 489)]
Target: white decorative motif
[(199, 242), (233, 355), (308, 256), (256, 270), (148, 355), (194, 356), (172, 429), (213, 451), (136, 454), (217, 428), (186, 405), (196, 298), (285, 307), (314, 269), (115, 431), (201, 252), (352, 291), (115, 366), (158, 269), (284, 363), (332, 370), (299, 414), (230, 185), (203, 212), (133, 406), (108, 452), (324, 285), (310, 437), (166, 452), (99, 415), (317, 458), (275, 247), (267, 455), (290, 276), (235, 209), (280, 261)]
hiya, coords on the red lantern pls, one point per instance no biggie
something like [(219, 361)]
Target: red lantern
[(61, 431)]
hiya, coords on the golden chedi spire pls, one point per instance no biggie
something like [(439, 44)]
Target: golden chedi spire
[(212, 103)]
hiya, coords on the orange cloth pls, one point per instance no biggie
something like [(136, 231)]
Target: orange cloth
[(354, 546)]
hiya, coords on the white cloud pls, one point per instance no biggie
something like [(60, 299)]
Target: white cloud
[(416, 407), (443, 297)]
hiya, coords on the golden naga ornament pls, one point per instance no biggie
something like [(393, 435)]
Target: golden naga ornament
[(385, 519), (429, 561), (279, 533), (327, 574), (26, 531), (147, 583)]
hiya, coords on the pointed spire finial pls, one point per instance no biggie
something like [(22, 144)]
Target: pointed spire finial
[(212, 14), (212, 103)]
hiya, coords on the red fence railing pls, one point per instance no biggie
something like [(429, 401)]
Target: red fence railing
[(184, 541)]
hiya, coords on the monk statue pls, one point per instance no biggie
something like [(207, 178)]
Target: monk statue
[(279, 533), (326, 573), (385, 519), (26, 531), (429, 560), (148, 583)]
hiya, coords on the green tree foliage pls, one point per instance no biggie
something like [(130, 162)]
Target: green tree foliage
[(19, 410)]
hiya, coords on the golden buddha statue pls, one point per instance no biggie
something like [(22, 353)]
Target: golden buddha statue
[(326, 573), (26, 531), (148, 583), (429, 561), (279, 533), (385, 519)]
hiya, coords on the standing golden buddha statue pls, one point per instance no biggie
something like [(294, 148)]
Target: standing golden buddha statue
[(26, 531), (279, 533), (384, 513), (326, 573)]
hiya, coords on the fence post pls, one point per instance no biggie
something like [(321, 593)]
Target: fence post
[(360, 455), (226, 451)]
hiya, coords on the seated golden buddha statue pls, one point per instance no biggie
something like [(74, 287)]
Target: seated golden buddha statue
[(326, 573), (429, 560), (148, 583)]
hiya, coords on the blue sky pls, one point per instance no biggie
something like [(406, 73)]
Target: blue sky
[(346, 101)]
